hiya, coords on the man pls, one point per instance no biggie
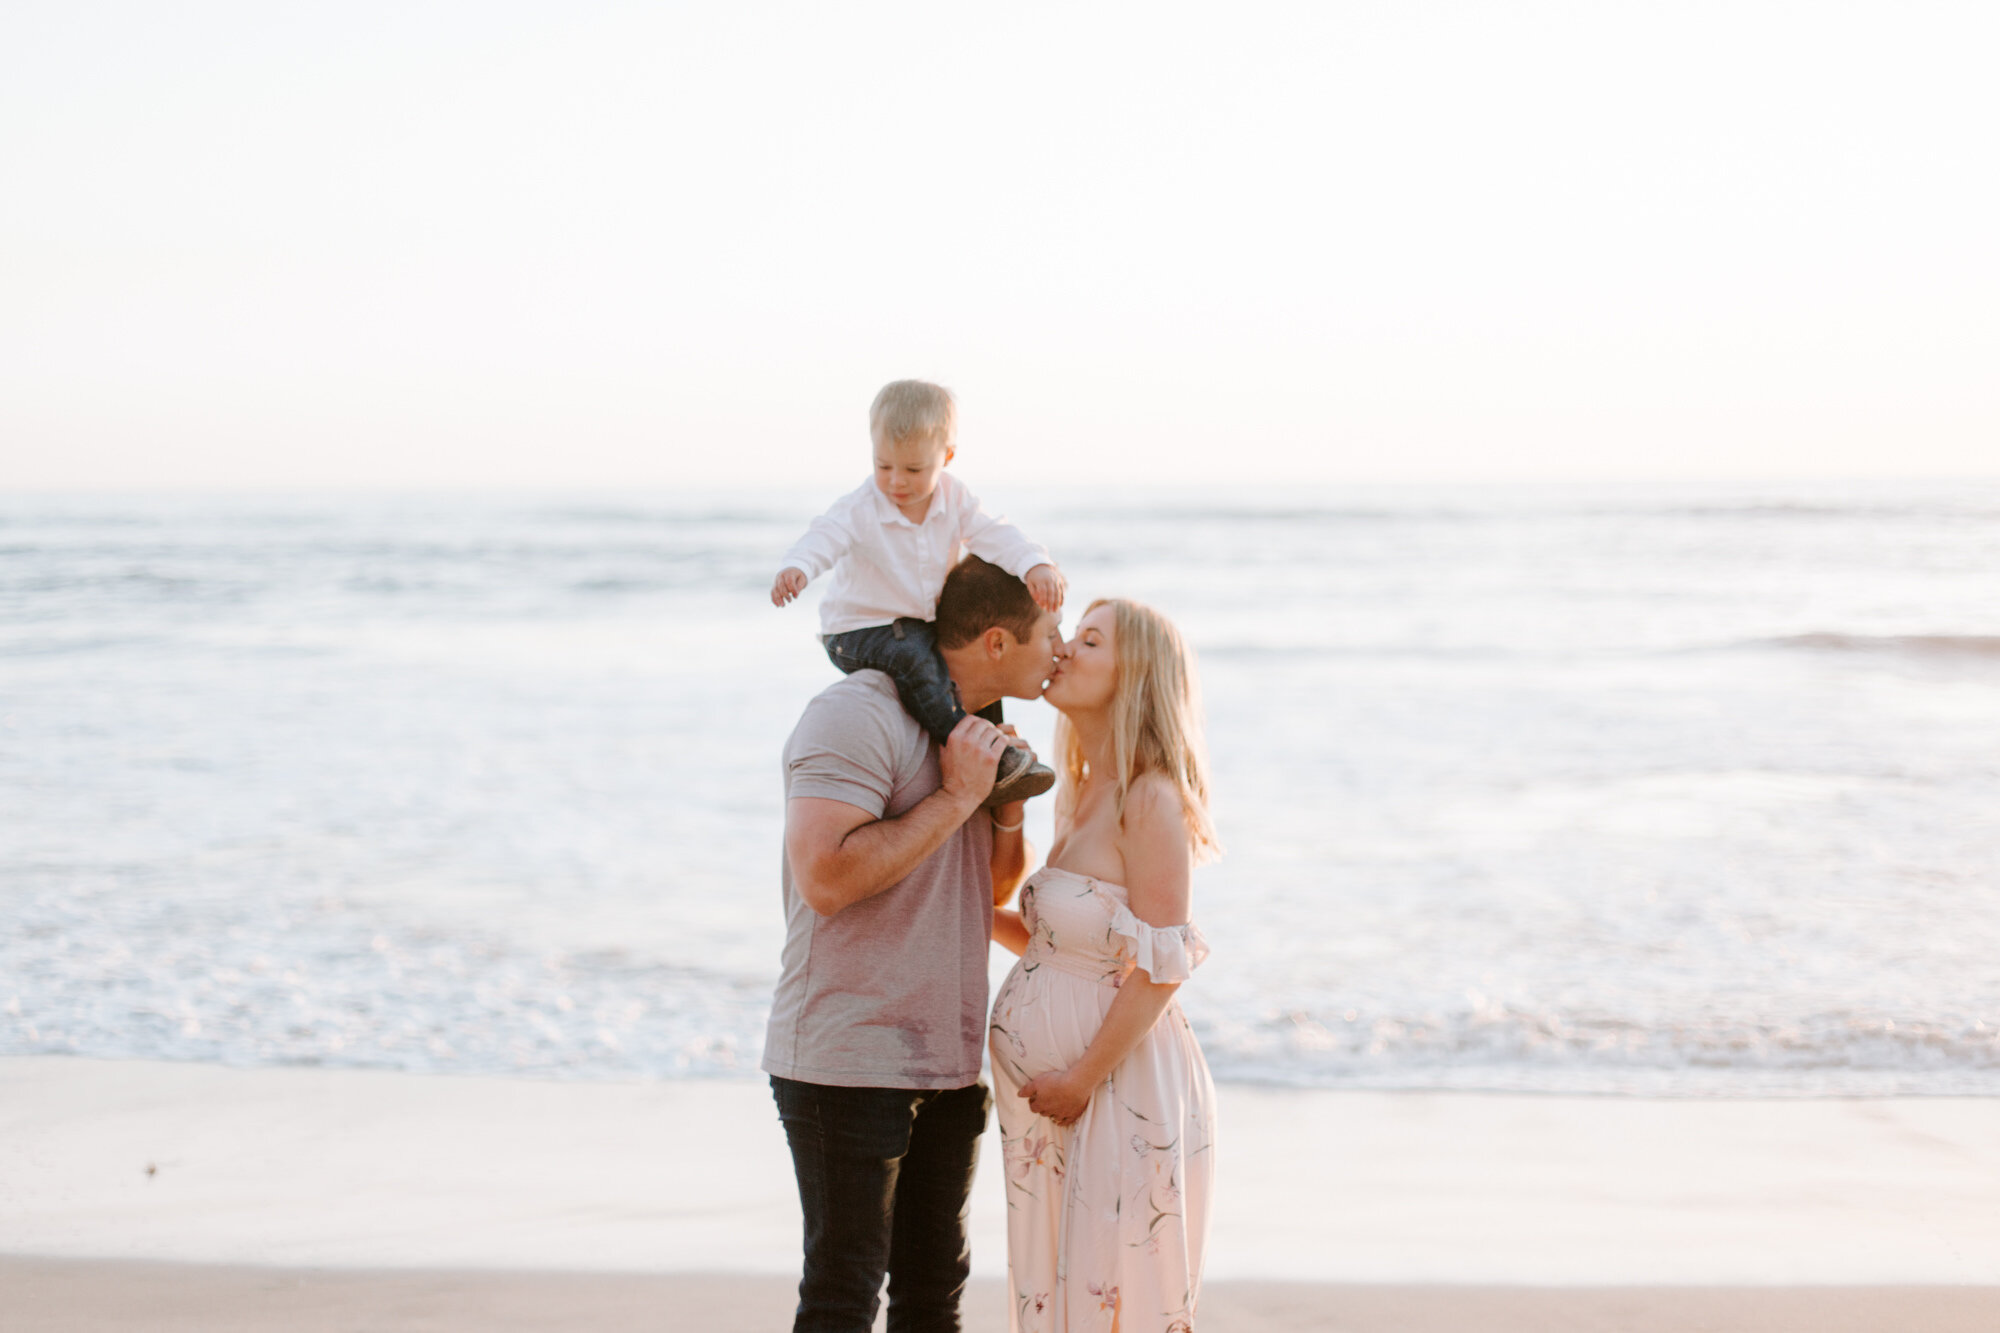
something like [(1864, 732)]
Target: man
[(891, 871)]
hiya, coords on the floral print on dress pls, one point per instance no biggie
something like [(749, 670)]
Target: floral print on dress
[(1106, 1218)]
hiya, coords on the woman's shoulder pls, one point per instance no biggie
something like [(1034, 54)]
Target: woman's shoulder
[(1155, 850), (1154, 816), (1152, 796)]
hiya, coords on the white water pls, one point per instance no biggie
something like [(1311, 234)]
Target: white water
[(1682, 791)]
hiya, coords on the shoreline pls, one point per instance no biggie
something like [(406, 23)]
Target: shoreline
[(300, 1169), (71, 1296)]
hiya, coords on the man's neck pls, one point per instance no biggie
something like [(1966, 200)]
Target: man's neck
[(975, 689)]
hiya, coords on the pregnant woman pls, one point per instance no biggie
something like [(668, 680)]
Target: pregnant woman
[(1106, 1110)]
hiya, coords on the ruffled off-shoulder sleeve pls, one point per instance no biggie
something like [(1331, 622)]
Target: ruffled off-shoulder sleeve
[(1167, 953)]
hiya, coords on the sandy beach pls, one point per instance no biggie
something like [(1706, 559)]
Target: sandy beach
[(138, 1194), (49, 1295)]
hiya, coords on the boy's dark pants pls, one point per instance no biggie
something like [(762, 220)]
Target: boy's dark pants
[(885, 1179), (907, 652)]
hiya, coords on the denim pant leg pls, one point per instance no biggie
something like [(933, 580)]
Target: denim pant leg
[(847, 1146), (885, 1175), (930, 1256), (907, 652)]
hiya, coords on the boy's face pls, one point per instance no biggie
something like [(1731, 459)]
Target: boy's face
[(907, 472)]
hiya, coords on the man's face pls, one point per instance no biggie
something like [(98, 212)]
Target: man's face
[(1026, 664)]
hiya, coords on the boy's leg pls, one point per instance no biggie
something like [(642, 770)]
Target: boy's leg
[(848, 1146), (929, 1256), (861, 649), (907, 651)]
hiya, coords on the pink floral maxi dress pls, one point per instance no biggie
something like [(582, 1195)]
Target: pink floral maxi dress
[(1106, 1218)]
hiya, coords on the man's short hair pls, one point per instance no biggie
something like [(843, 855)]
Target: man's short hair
[(976, 597), (913, 410)]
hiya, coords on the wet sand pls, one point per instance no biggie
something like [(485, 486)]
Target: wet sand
[(148, 1195), (96, 1296)]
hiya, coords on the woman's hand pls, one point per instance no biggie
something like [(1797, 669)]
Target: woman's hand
[(1060, 1096)]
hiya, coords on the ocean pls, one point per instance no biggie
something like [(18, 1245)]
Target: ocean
[(1662, 790)]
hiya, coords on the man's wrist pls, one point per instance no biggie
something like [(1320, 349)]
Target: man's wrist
[(965, 804)]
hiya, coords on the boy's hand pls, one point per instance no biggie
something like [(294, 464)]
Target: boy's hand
[(790, 583), (1047, 586)]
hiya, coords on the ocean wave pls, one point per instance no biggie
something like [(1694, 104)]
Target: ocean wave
[(1302, 516), (668, 517), (1979, 646), (1496, 1048), (1784, 509), (1518, 509)]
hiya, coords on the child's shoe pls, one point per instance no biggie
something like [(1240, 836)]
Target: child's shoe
[(1019, 776)]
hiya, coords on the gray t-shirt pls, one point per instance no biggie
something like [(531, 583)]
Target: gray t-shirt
[(891, 991)]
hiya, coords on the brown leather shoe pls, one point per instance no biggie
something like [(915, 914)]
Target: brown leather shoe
[(1019, 776)]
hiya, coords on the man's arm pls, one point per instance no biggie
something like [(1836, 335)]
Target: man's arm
[(841, 854)]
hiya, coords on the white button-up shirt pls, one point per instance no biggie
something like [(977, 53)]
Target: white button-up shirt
[(885, 566)]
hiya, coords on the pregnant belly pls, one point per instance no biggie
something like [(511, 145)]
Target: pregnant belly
[(1043, 1020)]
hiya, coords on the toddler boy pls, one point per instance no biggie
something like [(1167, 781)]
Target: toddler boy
[(890, 542)]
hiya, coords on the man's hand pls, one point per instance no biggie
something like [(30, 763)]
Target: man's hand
[(789, 584), (970, 755), (1047, 585)]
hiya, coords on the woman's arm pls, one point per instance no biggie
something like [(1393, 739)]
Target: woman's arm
[(1010, 932), (1157, 871), (1009, 861), (1062, 1096)]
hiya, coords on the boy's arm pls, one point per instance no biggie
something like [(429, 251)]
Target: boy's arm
[(993, 539), (817, 550)]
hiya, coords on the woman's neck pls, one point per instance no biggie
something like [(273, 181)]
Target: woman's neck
[(1093, 737)]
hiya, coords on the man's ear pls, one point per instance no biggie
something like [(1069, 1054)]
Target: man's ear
[(997, 641)]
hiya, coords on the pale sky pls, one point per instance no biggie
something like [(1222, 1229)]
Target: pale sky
[(477, 244)]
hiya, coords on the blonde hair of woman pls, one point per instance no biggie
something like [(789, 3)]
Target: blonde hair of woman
[(1155, 722)]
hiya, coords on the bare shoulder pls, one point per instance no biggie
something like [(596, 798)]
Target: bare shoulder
[(1153, 804), (1155, 847)]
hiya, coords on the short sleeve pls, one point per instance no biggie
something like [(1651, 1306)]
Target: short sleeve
[(1164, 953), (844, 749)]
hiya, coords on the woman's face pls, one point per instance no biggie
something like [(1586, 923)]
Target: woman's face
[(1086, 674)]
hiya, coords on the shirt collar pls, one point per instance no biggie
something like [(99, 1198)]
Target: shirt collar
[(886, 511)]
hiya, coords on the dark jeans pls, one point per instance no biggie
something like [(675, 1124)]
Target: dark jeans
[(907, 653), (885, 1175)]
